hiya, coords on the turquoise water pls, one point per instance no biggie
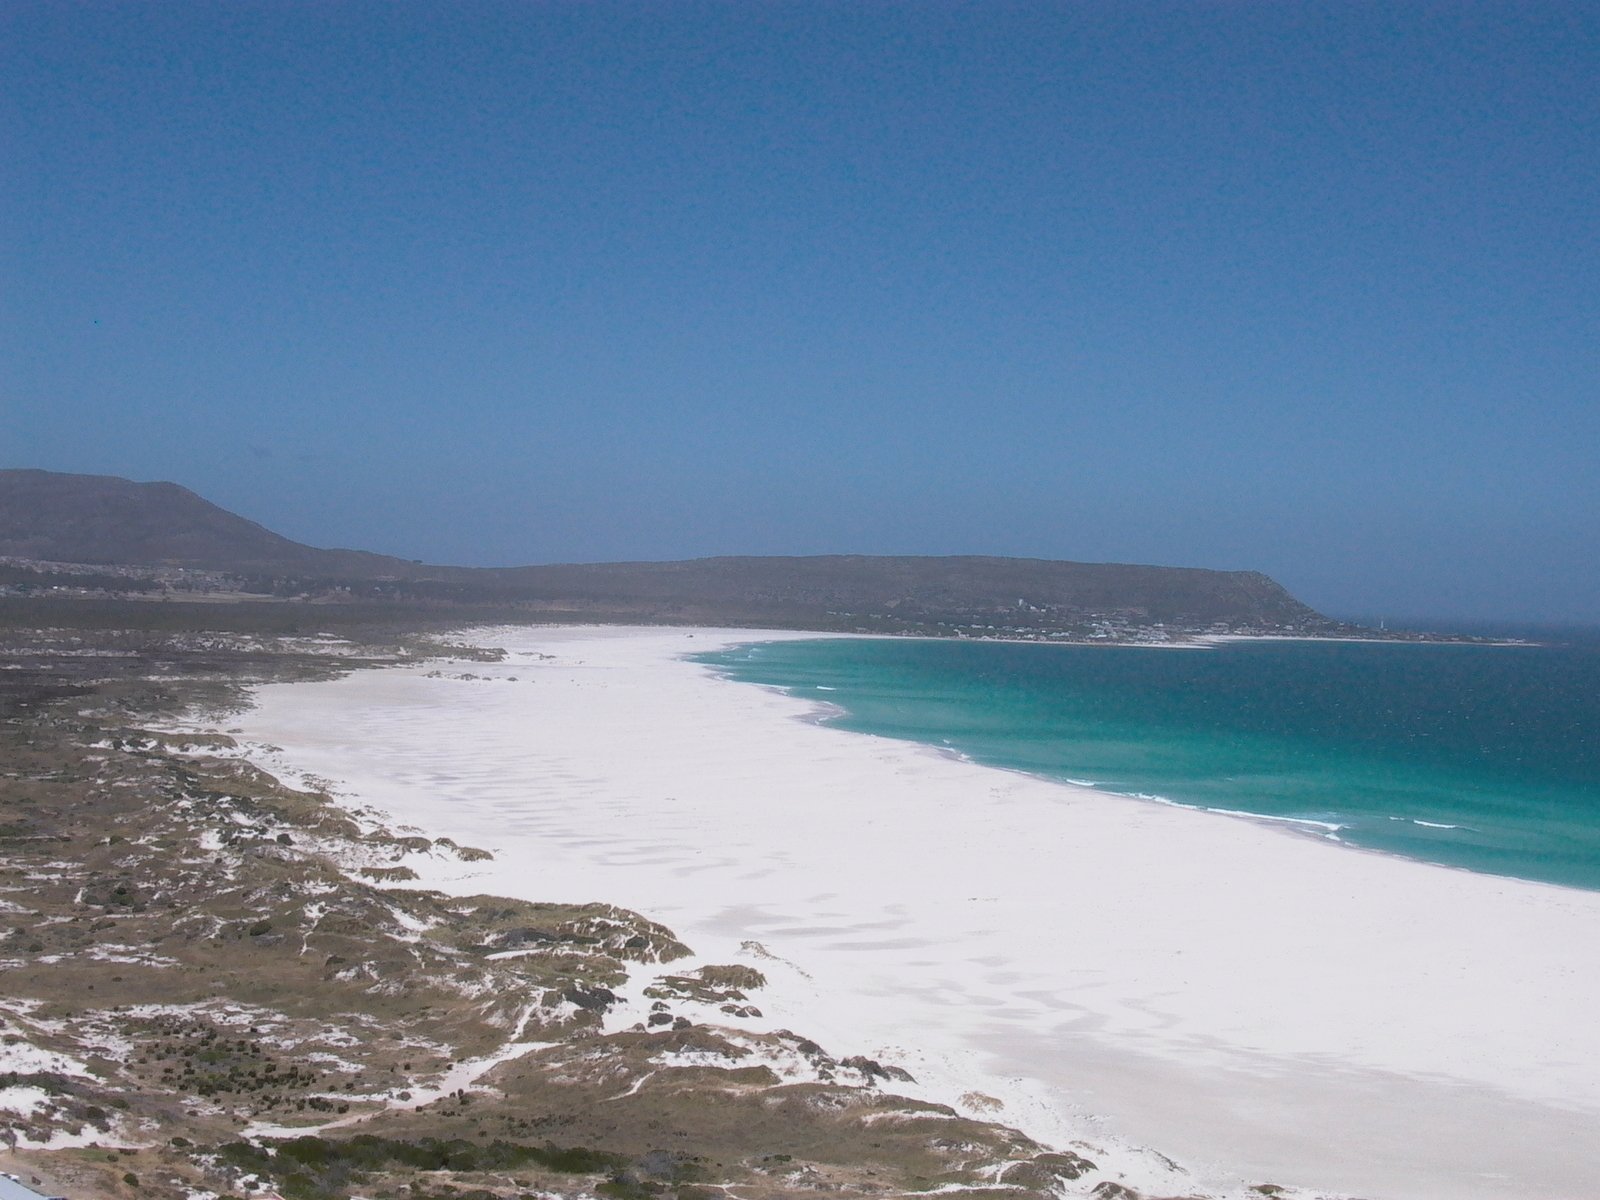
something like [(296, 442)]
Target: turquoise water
[(1483, 757)]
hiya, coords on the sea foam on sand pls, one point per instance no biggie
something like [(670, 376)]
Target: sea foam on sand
[(1258, 1004)]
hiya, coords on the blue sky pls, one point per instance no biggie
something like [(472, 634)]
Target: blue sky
[(1304, 288)]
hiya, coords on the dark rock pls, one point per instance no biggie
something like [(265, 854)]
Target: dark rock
[(732, 976), (874, 1069), (1046, 1171), (591, 999)]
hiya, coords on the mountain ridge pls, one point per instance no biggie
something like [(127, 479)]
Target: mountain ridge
[(100, 520)]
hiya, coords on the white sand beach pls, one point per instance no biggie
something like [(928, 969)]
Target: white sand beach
[(1255, 1003)]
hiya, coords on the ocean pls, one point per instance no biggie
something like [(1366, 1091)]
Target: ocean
[(1480, 757)]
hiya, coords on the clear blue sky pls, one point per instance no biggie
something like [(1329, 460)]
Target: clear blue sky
[(1305, 288)]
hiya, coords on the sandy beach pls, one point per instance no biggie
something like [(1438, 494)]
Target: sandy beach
[(1253, 1003)]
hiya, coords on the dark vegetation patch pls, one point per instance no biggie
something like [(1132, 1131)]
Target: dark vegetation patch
[(317, 1168)]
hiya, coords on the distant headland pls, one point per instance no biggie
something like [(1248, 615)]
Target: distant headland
[(99, 537)]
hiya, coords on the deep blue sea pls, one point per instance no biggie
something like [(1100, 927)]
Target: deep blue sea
[(1483, 757)]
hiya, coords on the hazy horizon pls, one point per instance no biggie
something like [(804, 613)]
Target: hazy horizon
[(1301, 289)]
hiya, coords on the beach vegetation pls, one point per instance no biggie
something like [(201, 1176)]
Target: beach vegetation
[(732, 975), (315, 1168)]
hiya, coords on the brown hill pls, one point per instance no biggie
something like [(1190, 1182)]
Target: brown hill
[(102, 519), (1019, 591)]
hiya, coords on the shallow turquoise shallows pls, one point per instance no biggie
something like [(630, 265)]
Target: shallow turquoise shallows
[(1482, 757)]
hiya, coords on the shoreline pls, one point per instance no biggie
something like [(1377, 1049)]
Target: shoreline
[(824, 710), (1067, 951)]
